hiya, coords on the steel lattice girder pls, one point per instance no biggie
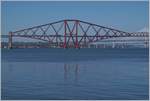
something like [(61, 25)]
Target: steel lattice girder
[(73, 31)]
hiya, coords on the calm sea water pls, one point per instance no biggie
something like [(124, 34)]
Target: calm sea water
[(75, 74)]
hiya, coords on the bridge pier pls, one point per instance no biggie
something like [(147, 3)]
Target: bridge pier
[(10, 40)]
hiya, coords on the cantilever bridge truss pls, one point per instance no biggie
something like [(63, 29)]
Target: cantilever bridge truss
[(71, 33)]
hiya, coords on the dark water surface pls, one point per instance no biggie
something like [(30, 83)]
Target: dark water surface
[(75, 74)]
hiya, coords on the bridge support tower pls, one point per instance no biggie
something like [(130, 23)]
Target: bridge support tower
[(76, 44), (10, 40), (65, 38)]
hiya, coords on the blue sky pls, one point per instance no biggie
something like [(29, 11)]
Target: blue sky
[(126, 16)]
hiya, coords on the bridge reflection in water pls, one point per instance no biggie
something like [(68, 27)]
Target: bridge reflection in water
[(70, 69)]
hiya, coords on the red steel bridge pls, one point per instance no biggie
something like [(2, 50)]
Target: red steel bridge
[(71, 33)]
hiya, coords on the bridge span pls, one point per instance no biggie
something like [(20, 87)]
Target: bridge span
[(71, 33)]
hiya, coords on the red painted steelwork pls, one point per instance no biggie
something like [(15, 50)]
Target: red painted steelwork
[(72, 33)]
